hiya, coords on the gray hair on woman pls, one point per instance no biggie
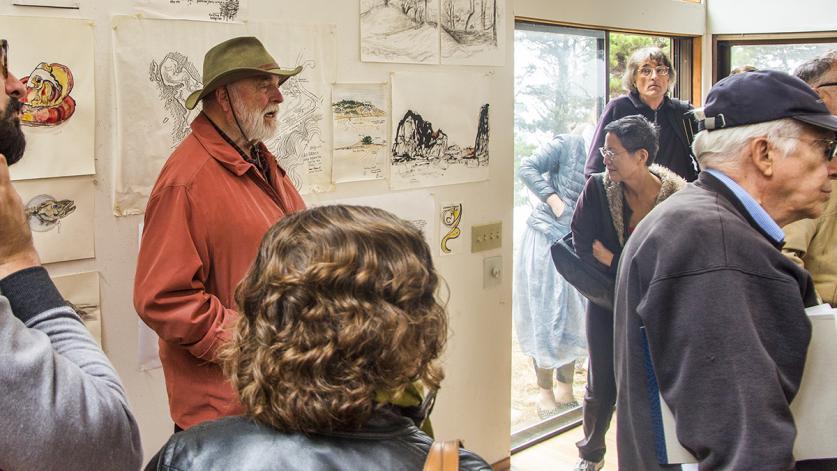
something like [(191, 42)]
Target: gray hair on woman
[(635, 132), (638, 58)]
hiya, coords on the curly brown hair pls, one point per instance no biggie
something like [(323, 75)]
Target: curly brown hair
[(339, 305)]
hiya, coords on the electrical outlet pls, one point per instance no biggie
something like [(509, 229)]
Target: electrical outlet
[(486, 237), (492, 271)]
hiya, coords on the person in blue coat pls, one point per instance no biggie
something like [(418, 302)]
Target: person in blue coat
[(548, 311)]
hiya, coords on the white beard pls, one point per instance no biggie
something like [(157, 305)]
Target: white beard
[(253, 123)]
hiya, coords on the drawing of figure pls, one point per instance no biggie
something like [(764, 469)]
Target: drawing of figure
[(47, 101), (176, 77), (45, 213), (451, 217)]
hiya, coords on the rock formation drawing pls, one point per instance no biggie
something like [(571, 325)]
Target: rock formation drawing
[(44, 212), (417, 141), (47, 101), (175, 77)]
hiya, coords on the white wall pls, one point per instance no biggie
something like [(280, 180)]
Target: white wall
[(770, 16), (474, 403)]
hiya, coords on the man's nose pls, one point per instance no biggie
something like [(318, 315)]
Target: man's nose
[(14, 87), (832, 168), (277, 97)]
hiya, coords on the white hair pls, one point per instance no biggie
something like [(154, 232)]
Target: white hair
[(251, 120), (722, 148)]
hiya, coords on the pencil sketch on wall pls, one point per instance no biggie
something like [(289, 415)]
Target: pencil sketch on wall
[(360, 131), (47, 100), (211, 10), (175, 77), (81, 292), (399, 31), (45, 212), (472, 32)]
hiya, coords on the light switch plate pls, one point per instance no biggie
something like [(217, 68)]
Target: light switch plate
[(486, 237)]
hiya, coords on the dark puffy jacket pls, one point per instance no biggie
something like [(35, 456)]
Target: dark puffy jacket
[(556, 168), (388, 442), (675, 147)]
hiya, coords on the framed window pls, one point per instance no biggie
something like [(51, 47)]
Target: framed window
[(563, 77), (783, 52)]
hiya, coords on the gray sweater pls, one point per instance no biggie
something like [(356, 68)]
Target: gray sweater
[(62, 405), (710, 314)]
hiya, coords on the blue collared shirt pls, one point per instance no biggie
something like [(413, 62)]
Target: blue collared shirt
[(759, 215)]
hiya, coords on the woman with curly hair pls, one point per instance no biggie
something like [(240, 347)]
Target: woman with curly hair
[(339, 320)]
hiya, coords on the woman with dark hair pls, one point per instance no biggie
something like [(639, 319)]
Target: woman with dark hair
[(648, 80), (604, 219), (339, 318)]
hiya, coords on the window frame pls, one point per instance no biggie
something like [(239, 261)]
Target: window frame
[(722, 45)]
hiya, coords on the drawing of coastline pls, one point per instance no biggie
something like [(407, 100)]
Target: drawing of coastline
[(399, 31), (360, 132)]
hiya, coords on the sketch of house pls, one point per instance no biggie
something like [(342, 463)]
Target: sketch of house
[(214, 10), (175, 77), (399, 31)]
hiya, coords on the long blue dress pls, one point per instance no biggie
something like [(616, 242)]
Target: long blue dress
[(548, 311)]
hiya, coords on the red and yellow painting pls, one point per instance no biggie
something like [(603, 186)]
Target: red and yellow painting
[(47, 101)]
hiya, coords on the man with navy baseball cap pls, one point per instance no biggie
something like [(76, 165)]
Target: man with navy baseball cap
[(710, 316)]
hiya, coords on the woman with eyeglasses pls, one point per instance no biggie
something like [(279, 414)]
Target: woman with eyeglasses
[(648, 80), (610, 207)]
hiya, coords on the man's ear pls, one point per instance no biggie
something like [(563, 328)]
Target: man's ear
[(643, 156), (222, 97), (760, 155)]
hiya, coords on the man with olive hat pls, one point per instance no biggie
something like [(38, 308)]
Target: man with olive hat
[(709, 318), (215, 198)]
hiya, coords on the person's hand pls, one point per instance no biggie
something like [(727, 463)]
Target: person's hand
[(556, 204), (16, 249), (602, 254)]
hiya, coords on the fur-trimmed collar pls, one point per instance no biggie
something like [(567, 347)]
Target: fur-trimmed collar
[(671, 182)]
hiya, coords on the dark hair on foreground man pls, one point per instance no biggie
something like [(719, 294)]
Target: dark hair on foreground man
[(339, 316)]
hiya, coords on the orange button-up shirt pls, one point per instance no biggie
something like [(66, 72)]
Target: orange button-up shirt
[(205, 219)]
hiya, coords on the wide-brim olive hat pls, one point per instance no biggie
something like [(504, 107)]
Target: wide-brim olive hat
[(235, 59)]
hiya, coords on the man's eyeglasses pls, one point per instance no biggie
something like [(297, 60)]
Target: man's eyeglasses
[(829, 145), (608, 153), (661, 70), (829, 84), (4, 60)]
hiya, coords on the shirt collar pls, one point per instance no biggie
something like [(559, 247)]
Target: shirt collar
[(759, 215)]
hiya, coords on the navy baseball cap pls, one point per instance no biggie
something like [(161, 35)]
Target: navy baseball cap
[(761, 96)]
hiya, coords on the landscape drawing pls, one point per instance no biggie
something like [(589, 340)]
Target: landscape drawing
[(472, 32), (360, 113), (60, 214), (441, 141), (175, 77), (81, 292), (399, 31)]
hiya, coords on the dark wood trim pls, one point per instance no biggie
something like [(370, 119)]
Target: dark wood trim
[(502, 465)]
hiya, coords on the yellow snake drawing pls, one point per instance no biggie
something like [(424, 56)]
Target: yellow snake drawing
[(451, 216)]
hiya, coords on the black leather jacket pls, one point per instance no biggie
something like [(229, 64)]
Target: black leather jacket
[(388, 442)]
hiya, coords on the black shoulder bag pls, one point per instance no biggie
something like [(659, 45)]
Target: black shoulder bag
[(594, 285)]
